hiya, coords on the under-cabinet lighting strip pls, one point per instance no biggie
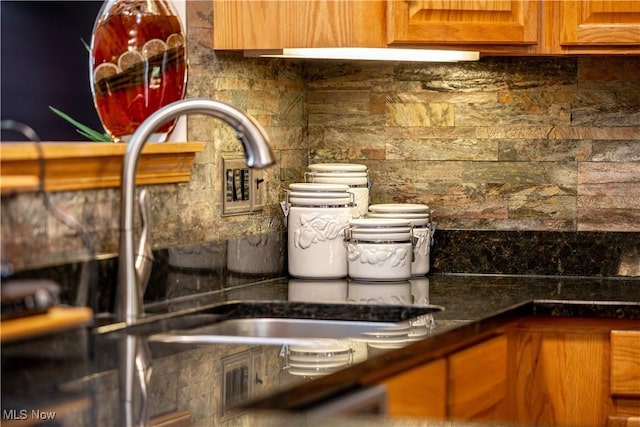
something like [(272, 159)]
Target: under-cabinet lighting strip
[(369, 54)]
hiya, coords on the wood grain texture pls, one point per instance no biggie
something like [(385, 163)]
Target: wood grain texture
[(625, 363), (81, 166), (615, 421), (477, 382), (600, 22), (275, 24), (473, 22), (419, 392), (559, 376)]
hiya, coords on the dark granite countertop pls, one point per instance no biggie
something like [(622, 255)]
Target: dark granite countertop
[(475, 306), (76, 372)]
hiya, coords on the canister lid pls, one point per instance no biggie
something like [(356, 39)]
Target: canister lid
[(345, 167), (399, 207), (322, 201), (378, 222), (336, 179), (315, 187), (319, 194)]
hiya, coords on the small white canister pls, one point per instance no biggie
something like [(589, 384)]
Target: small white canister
[(419, 217), (317, 215), (356, 176), (379, 249)]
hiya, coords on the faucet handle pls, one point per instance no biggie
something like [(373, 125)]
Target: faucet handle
[(144, 256)]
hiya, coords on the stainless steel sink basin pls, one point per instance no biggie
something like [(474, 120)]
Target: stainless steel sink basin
[(271, 331), (275, 322)]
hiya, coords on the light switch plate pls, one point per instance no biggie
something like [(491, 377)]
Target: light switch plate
[(243, 189)]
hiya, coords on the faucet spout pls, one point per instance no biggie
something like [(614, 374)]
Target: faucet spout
[(258, 154)]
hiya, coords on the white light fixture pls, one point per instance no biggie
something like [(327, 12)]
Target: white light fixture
[(368, 54)]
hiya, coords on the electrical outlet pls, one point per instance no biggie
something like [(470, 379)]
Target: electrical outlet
[(244, 189)]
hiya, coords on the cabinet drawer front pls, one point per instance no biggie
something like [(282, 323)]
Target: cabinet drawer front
[(625, 363)]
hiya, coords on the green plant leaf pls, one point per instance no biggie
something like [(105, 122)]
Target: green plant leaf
[(86, 46), (83, 130)]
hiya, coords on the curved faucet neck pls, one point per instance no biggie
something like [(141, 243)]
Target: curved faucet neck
[(255, 143)]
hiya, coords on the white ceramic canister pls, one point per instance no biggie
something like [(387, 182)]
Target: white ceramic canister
[(379, 249), (316, 219), (422, 234), (356, 176), (420, 217)]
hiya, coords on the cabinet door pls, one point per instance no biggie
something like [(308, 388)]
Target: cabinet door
[(419, 392), (559, 373), (625, 363), (477, 382), (463, 21), (625, 378), (277, 24), (600, 22)]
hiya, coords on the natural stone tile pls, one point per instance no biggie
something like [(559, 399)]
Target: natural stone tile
[(347, 75), (603, 69), (408, 115), (443, 132), (492, 74), (403, 172), (512, 114), (406, 92), (592, 132), (366, 137), (543, 150), (606, 115), (615, 151), (573, 97), (347, 101), (442, 114), (534, 204), (437, 149), (342, 119), (607, 219), (199, 52), (613, 201), (513, 132), (564, 174), (609, 178), (199, 14)]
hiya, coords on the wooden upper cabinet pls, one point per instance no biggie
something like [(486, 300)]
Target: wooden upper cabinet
[(510, 22), (600, 23), (277, 24), (493, 27)]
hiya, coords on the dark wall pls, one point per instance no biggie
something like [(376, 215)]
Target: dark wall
[(44, 62)]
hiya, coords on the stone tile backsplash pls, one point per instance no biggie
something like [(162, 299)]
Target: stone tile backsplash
[(504, 144)]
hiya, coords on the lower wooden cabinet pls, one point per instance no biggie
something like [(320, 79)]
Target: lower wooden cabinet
[(469, 384), (537, 371), (419, 392), (625, 378), (477, 382)]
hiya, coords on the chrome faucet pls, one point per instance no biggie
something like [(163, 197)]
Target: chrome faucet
[(258, 154)]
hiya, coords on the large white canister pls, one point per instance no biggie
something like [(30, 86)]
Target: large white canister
[(317, 216), (356, 176), (379, 249)]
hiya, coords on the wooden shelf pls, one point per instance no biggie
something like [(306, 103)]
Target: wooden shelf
[(83, 166)]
